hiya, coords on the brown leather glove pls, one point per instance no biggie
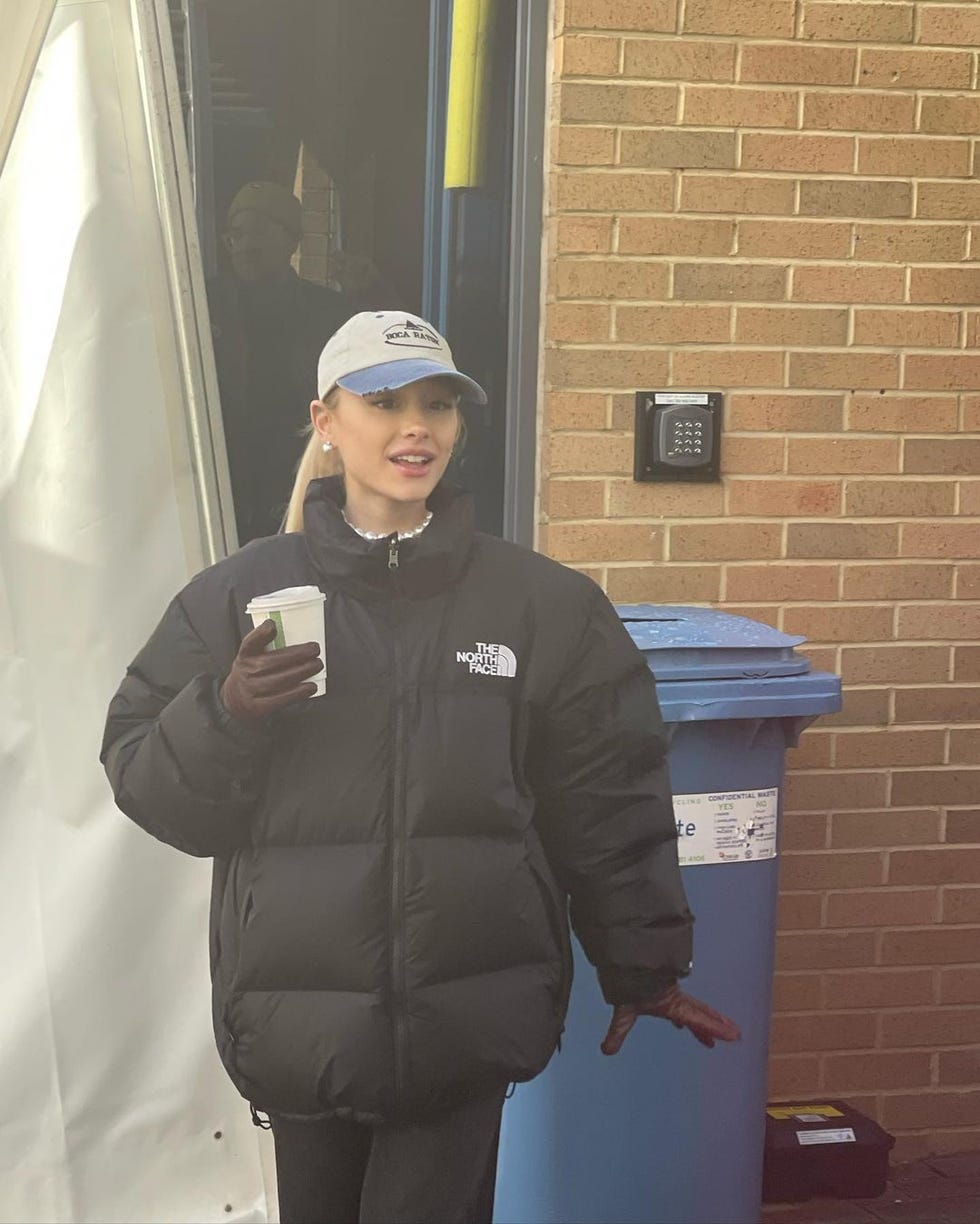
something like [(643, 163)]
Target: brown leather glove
[(261, 682), (682, 1010)]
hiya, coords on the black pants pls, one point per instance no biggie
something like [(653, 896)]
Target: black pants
[(437, 1172)]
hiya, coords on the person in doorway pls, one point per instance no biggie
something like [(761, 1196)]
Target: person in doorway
[(267, 326), (394, 860)]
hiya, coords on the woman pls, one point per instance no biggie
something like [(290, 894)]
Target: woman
[(393, 860)]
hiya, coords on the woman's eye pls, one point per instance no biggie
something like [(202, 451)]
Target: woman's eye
[(386, 402), (441, 406)]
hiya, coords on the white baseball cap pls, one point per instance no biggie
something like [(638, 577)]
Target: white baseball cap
[(381, 350)]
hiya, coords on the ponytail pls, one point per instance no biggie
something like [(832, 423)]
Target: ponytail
[(314, 463)]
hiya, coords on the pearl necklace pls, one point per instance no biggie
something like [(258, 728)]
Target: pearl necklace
[(383, 535)]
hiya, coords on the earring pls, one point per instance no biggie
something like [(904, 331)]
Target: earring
[(327, 446)]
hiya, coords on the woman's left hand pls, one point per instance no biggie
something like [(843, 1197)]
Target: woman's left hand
[(682, 1010)]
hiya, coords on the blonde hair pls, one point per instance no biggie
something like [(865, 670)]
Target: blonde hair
[(316, 462)]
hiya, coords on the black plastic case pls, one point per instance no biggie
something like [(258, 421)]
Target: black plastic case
[(827, 1149)]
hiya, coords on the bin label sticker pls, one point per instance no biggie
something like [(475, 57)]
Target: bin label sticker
[(804, 1113), (826, 1136), (726, 826)]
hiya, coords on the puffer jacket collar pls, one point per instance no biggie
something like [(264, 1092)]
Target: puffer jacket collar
[(427, 564)]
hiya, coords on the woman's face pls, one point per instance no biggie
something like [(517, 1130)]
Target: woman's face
[(395, 445)]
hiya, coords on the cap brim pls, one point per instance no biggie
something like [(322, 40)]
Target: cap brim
[(391, 375)]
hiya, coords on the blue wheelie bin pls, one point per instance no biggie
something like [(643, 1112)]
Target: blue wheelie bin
[(667, 1132)]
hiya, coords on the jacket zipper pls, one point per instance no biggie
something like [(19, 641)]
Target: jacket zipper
[(398, 1002)]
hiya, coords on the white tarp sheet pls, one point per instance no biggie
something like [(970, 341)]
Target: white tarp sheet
[(23, 24), (113, 1097)]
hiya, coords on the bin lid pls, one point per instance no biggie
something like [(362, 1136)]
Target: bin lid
[(704, 644)]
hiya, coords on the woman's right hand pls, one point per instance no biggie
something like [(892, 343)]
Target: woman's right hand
[(261, 682)]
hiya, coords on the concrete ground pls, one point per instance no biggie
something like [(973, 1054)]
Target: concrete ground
[(937, 1190)]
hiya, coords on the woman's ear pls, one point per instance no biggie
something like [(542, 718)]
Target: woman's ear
[(320, 415)]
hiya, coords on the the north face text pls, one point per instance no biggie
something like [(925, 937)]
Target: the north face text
[(489, 659)]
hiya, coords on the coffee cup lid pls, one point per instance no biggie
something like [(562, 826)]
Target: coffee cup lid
[(288, 597)]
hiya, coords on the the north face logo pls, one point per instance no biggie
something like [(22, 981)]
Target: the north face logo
[(411, 334), (489, 659)]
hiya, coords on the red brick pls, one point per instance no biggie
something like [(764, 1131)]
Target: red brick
[(843, 456), (966, 664), (924, 622), (859, 112), (791, 64), (837, 870), (949, 704), (812, 752), (576, 322), (835, 541), (825, 950), (950, 787), (796, 992), (958, 286), (882, 908), (963, 826), (967, 580), (840, 623), (953, 540), (850, 830), (915, 69), (895, 747), (941, 865), (787, 413), (782, 582), (799, 912), (583, 235), (678, 148), (669, 59), (898, 499), (589, 454), (828, 792), (962, 905), (935, 946), (903, 413), (847, 1073), (575, 499), (959, 1067), (959, 985), (803, 831), (876, 23), (970, 505), (781, 498), (644, 15), (894, 665), (862, 708), (623, 103), (610, 278), (765, 18), (806, 153), (964, 746), (662, 583), (584, 146), (824, 1031), (880, 988), (848, 283), (737, 194)]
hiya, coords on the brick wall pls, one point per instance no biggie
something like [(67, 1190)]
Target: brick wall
[(776, 200)]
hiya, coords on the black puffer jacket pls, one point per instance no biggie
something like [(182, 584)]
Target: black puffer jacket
[(388, 927)]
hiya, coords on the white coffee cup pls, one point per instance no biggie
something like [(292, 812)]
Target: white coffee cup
[(298, 615)]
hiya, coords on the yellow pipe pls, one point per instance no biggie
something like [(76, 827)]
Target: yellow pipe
[(467, 110)]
